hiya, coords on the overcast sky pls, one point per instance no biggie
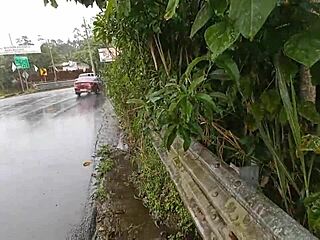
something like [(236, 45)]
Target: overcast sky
[(31, 18)]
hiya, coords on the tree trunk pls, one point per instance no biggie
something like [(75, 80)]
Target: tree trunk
[(307, 90)]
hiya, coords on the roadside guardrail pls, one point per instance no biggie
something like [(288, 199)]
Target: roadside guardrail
[(54, 85), (223, 205)]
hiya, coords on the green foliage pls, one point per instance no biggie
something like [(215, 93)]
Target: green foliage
[(220, 36), (226, 62), (171, 9), (302, 46), (203, 16), (105, 166), (308, 111), (219, 6), (313, 204), (160, 195), (101, 193), (87, 3), (310, 143), (250, 15), (224, 73), (106, 163)]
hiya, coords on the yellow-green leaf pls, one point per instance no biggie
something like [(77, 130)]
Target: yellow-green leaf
[(171, 9)]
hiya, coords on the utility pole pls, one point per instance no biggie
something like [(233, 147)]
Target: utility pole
[(52, 62), (89, 46), (20, 78)]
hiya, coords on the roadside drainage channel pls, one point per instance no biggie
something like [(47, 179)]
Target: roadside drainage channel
[(108, 134), (123, 216), (223, 205)]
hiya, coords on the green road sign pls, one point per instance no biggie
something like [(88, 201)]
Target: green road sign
[(21, 62)]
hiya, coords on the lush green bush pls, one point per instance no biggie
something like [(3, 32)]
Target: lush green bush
[(238, 75), (151, 178)]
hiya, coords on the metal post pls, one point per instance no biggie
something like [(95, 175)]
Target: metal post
[(89, 46), (20, 78), (21, 81), (52, 62)]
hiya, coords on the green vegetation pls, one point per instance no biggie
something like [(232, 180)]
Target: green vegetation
[(241, 76), (106, 165), (152, 180), (235, 75), (160, 195)]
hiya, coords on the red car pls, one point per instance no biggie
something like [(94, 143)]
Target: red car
[(87, 83)]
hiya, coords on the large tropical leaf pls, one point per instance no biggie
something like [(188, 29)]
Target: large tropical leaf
[(246, 86), (250, 15), (308, 111), (220, 37), (169, 135), (271, 101), (219, 6), (171, 9), (312, 203), (305, 47), (186, 109), (203, 16), (226, 62), (195, 128), (207, 101), (185, 134)]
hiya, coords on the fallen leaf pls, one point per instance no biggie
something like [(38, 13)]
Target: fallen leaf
[(87, 163)]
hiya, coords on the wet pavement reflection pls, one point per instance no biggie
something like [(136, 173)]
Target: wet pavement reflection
[(44, 138)]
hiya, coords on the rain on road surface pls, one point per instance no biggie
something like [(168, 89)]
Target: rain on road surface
[(44, 138)]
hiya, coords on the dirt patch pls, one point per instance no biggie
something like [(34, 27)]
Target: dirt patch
[(120, 214)]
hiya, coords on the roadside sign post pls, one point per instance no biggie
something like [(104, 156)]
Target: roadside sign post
[(14, 68), (22, 62), (25, 75), (21, 81), (52, 62), (4, 51), (43, 74)]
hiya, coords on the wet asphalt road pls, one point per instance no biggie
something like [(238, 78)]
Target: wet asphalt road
[(44, 139)]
